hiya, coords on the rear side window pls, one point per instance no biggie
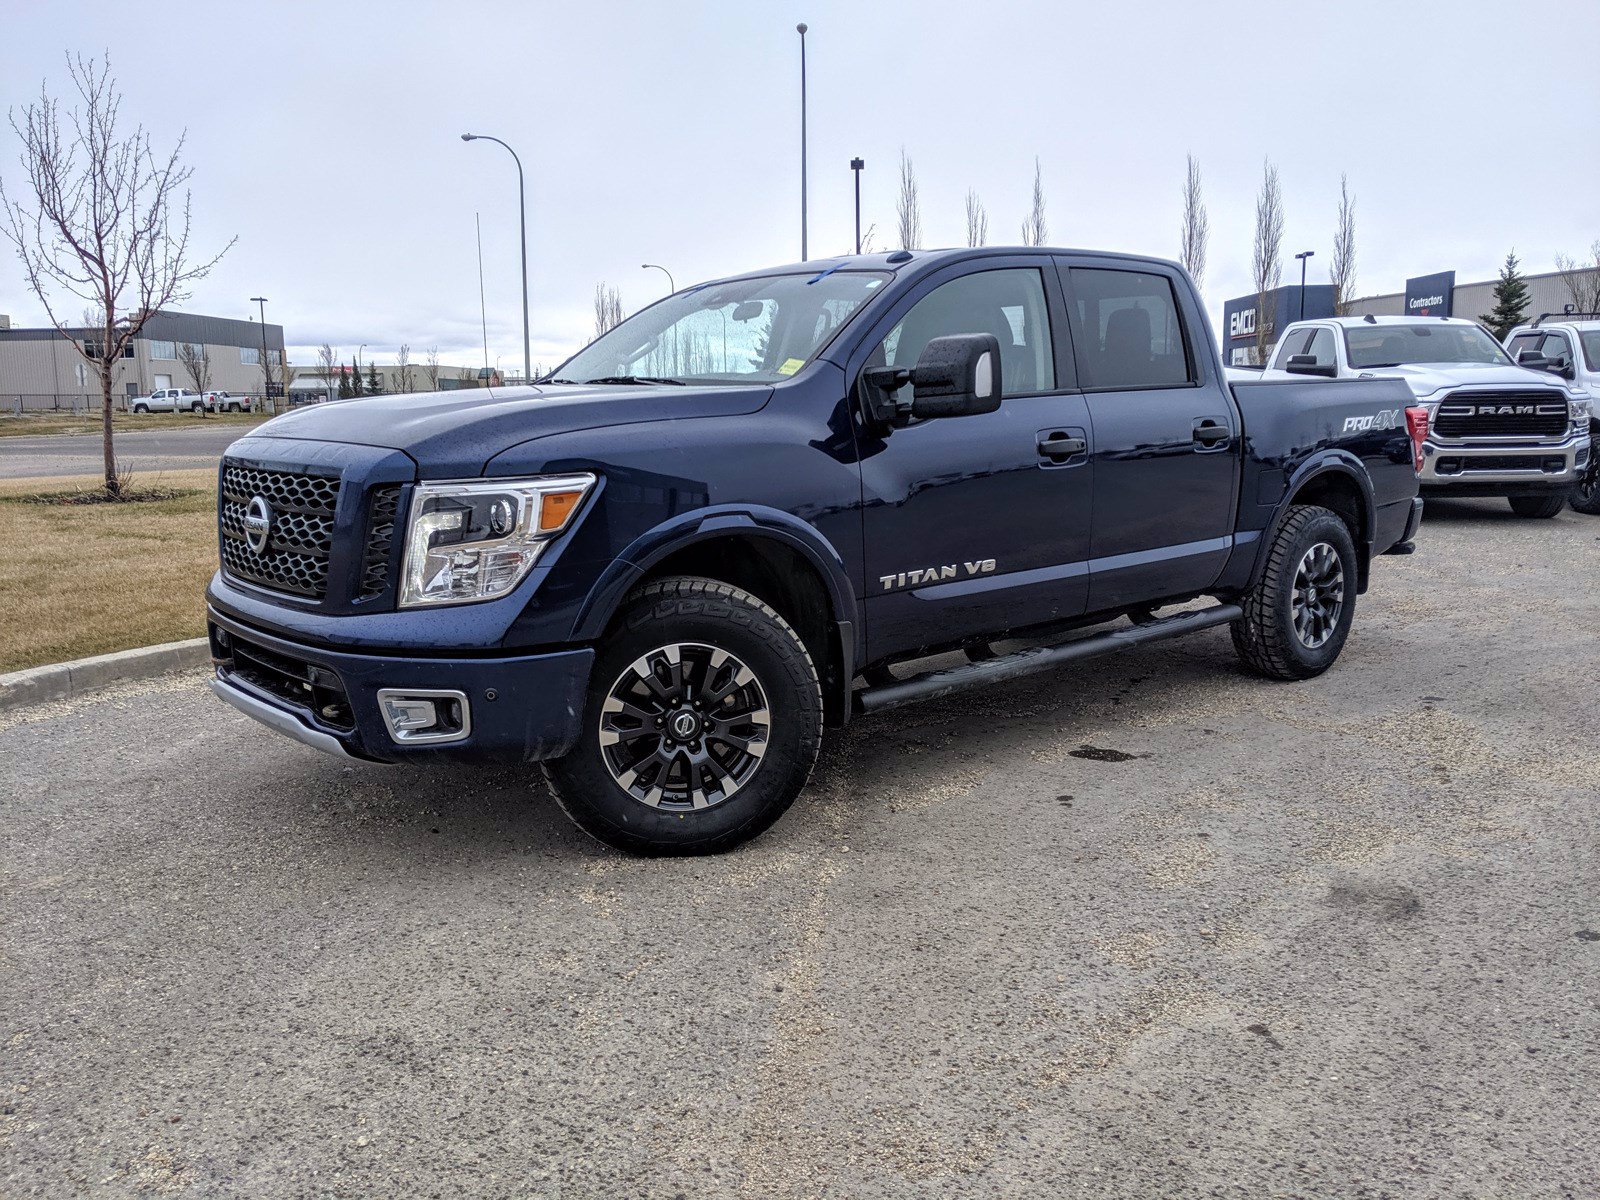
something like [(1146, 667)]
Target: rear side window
[(1128, 333)]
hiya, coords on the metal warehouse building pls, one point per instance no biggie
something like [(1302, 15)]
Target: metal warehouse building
[(1439, 295), (40, 371)]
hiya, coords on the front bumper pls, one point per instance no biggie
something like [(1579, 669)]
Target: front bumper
[(1505, 468), (522, 708)]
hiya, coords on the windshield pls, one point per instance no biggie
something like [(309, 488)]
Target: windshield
[(1397, 345), (744, 331)]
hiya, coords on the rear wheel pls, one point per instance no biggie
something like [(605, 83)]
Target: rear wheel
[(703, 720), (1298, 616), (1537, 507)]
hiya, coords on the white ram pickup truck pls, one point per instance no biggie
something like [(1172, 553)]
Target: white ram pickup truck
[(1568, 345), (1494, 428)]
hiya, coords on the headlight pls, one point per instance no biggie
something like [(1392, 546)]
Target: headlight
[(1582, 406), (476, 541)]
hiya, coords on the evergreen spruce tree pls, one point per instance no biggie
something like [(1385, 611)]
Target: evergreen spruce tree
[(1510, 300), (355, 377), (374, 384), (344, 384)]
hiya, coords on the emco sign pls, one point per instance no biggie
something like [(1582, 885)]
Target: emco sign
[(1430, 295)]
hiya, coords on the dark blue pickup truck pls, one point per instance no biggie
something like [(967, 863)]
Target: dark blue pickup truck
[(742, 514)]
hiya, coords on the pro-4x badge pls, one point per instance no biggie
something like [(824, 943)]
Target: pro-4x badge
[(922, 575)]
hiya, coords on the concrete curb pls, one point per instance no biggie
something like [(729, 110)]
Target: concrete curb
[(63, 681)]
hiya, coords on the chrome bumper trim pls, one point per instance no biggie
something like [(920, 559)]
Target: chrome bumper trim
[(276, 718)]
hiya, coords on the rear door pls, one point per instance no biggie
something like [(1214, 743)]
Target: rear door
[(1165, 430), (978, 524)]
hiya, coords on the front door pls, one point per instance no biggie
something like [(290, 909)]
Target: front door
[(977, 524), (1166, 435)]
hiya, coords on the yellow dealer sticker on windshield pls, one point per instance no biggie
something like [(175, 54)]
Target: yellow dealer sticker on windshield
[(791, 366)]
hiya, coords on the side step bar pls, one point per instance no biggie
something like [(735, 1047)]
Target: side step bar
[(1041, 658)]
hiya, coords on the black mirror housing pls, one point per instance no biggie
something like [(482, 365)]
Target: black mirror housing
[(1533, 360), (957, 376), (1306, 364)]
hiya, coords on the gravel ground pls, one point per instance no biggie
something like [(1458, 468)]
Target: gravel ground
[(1149, 927)]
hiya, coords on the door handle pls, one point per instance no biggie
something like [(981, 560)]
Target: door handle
[(1209, 432), (1059, 446)]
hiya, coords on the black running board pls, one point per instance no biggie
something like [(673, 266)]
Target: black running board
[(1042, 658)]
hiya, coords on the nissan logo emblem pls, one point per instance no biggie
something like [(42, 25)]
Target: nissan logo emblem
[(257, 524)]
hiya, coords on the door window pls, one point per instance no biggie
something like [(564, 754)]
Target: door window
[(1556, 347), (1294, 342), (1128, 333), (1008, 303), (1321, 347), (1522, 343)]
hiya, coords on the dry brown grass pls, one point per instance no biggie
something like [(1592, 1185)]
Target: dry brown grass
[(89, 579), (35, 424)]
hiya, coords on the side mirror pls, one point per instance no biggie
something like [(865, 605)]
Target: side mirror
[(955, 376), (1533, 360), (1306, 364)]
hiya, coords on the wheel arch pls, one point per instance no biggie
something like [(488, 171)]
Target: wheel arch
[(774, 556), (1336, 480)]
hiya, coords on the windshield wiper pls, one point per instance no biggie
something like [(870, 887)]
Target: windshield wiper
[(627, 379), (555, 381)]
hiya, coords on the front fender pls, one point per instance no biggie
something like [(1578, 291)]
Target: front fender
[(671, 536)]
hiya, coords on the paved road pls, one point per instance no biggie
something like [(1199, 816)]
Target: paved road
[(160, 450), (1146, 928)]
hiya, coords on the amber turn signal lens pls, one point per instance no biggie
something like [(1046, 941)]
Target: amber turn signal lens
[(556, 508)]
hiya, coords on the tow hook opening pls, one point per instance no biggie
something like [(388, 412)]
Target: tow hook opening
[(416, 716)]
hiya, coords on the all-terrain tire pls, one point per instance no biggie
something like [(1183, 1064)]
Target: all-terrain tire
[(1538, 508), (704, 613), (1267, 637)]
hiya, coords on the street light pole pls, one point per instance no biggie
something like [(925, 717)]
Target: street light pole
[(522, 213), (658, 267), (1302, 256), (855, 165), (266, 377), (801, 30)]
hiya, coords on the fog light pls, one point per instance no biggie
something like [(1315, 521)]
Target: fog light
[(424, 715)]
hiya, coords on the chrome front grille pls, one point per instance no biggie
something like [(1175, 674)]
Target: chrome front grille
[(1539, 413), (299, 539)]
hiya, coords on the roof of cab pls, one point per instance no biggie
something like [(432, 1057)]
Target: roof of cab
[(918, 261)]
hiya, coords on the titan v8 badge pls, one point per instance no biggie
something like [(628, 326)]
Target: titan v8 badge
[(983, 566)]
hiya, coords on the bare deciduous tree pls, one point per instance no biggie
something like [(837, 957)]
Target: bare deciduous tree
[(196, 360), (328, 360), (1196, 225), (1582, 279), (607, 308), (1266, 266), (430, 368), (868, 237), (1342, 266), (977, 220), (405, 374), (108, 224), (1036, 230), (907, 211)]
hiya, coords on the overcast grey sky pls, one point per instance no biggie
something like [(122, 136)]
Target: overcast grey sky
[(326, 135)]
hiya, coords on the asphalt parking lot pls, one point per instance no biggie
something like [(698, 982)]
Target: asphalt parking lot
[(80, 454), (1150, 927)]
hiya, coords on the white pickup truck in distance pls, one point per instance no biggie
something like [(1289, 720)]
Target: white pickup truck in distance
[(168, 400), (1494, 428), (1568, 345)]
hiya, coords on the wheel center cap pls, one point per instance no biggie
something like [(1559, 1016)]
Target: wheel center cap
[(684, 725)]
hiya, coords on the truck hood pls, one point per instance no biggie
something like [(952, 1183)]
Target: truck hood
[(453, 434), (1424, 379)]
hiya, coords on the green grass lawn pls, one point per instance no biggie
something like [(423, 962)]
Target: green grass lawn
[(34, 424)]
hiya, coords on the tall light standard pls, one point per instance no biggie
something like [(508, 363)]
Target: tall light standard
[(801, 30), (672, 287), (1302, 256), (855, 165), (266, 376), (522, 212)]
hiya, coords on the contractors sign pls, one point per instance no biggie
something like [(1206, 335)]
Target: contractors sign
[(1429, 295)]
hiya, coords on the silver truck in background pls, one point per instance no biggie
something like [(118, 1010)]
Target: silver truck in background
[(1567, 345), (1494, 428)]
